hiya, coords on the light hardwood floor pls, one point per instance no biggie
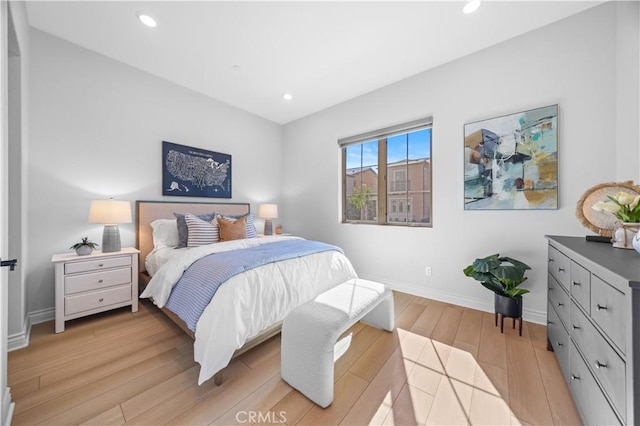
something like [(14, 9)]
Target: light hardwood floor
[(442, 365)]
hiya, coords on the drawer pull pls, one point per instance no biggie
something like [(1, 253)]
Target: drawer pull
[(560, 269), (550, 322), (559, 344), (575, 327), (560, 304), (599, 365), (551, 260), (574, 377), (576, 283), (101, 300), (100, 281), (600, 308), (101, 264)]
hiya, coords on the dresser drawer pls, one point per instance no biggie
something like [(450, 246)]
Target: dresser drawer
[(97, 299), (581, 285), (97, 280), (560, 300), (560, 267), (96, 264), (587, 394), (605, 363), (608, 307), (559, 340)]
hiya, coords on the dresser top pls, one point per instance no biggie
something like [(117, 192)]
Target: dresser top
[(622, 262)]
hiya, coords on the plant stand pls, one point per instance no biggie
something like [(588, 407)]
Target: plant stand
[(510, 307), (501, 317)]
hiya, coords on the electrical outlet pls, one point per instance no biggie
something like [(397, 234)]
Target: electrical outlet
[(427, 271)]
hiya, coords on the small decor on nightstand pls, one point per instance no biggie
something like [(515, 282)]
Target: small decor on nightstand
[(84, 247), (502, 275)]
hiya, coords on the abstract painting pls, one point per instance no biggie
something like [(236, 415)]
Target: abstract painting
[(511, 162), (195, 172)]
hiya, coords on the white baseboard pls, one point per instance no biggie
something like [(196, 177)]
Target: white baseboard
[(42, 315), (531, 315), (7, 407), (21, 340)]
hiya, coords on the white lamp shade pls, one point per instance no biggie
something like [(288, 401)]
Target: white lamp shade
[(110, 212), (268, 211)]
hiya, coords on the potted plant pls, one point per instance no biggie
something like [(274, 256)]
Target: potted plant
[(84, 247), (502, 275)]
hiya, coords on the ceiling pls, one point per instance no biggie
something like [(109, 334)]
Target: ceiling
[(248, 54)]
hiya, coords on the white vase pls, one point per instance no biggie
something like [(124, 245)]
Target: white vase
[(636, 242), (624, 234)]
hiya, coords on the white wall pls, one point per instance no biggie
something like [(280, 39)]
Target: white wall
[(18, 65), (571, 63), (96, 131)]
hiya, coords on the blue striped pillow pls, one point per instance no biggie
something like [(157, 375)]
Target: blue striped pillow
[(250, 226), (201, 232)]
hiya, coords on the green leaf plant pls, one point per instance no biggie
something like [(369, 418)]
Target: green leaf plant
[(502, 275), (85, 242)]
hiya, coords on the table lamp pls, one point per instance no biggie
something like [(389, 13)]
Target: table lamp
[(268, 212), (110, 213)]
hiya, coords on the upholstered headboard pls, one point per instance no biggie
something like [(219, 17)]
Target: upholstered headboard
[(148, 211)]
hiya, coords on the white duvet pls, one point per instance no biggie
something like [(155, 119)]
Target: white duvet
[(252, 301)]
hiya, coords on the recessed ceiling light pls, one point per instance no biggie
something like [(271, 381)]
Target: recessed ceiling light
[(147, 20), (287, 96), (471, 6)]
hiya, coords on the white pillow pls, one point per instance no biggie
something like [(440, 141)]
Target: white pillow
[(165, 233), (201, 232)]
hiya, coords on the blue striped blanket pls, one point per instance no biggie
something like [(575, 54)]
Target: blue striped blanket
[(201, 280)]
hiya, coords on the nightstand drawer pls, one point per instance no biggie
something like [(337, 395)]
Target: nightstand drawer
[(91, 265), (97, 280), (96, 299)]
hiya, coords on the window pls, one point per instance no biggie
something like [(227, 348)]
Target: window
[(386, 175)]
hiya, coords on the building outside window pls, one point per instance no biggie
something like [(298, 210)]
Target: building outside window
[(387, 175)]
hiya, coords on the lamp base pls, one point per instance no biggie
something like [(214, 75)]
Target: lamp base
[(268, 227), (111, 239)]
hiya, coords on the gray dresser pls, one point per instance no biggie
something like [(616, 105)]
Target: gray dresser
[(593, 326)]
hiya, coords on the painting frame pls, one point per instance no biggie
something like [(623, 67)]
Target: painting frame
[(511, 161), (195, 172)]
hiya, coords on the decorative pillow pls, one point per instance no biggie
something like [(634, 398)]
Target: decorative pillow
[(183, 231), (200, 232), (165, 233), (232, 229), (250, 226)]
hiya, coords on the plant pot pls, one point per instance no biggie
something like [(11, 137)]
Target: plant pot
[(84, 251), (506, 306)]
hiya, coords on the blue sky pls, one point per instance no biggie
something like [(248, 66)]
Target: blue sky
[(412, 145)]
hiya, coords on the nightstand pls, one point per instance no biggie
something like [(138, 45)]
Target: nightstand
[(98, 282)]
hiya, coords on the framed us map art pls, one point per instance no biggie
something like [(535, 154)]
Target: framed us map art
[(195, 172)]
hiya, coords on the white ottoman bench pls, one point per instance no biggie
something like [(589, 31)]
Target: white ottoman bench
[(310, 331)]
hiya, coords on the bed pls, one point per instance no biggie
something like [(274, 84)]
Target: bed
[(249, 302)]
